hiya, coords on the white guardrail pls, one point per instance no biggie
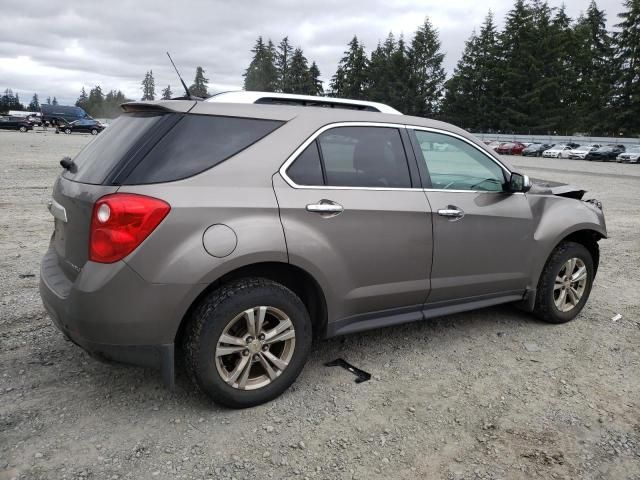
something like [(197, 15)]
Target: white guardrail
[(555, 139)]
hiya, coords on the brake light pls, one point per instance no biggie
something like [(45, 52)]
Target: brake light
[(120, 222)]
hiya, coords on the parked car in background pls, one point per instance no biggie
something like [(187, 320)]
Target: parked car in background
[(493, 145), (163, 245), (579, 153), (606, 153), (631, 155), (559, 151), (536, 149), (35, 120), (15, 123), (85, 125), (511, 148), (62, 115)]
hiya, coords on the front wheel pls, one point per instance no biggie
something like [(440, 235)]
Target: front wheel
[(247, 342), (67, 131), (23, 129), (94, 131), (565, 283)]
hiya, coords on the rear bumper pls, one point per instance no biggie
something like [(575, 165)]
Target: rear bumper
[(113, 314)]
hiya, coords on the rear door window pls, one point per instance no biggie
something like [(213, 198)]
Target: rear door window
[(198, 143), (307, 169), (354, 157)]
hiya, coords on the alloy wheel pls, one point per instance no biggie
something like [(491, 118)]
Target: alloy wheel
[(255, 348), (570, 284)]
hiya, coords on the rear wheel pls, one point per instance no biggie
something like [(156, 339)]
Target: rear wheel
[(565, 283), (23, 129), (247, 342)]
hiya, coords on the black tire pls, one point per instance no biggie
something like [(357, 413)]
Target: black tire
[(67, 131), (94, 131), (23, 129), (210, 318), (545, 307)]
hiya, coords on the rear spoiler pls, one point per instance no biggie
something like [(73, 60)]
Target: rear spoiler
[(179, 106)]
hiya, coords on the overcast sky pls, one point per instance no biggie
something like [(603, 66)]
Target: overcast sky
[(55, 48)]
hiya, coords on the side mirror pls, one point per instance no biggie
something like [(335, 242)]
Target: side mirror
[(519, 183)]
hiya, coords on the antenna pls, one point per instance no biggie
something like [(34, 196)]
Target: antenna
[(188, 96)]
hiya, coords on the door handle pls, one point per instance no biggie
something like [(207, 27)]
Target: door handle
[(453, 212), (325, 207)]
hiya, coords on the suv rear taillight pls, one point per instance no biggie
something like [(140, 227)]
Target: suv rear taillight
[(120, 222)]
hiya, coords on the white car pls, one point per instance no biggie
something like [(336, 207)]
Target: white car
[(579, 153), (557, 151), (632, 155)]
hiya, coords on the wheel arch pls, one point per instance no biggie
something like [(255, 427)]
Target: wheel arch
[(302, 283), (588, 236)]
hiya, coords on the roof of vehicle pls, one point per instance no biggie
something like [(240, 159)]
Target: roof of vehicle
[(309, 119), (242, 96)]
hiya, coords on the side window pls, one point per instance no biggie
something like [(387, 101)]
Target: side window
[(364, 157), (455, 165), (306, 170)]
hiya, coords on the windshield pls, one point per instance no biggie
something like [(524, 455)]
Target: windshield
[(583, 148), (605, 149)]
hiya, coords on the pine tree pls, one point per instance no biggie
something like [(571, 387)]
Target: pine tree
[(626, 98), (48, 100), (299, 78), (82, 99), (592, 62), (350, 79), (283, 64), (199, 87), (314, 78), (167, 93), (262, 74), (464, 88), (426, 74), (112, 101), (379, 71), (10, 101), (54, 101), (517, 58), (547, 101), (95, 102), (148, 86), (34, 106)]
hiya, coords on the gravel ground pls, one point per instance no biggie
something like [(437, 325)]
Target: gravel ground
[(482, 395)]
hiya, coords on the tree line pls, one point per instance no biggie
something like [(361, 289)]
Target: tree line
[(281, 69), (542, 73), (11, 101)]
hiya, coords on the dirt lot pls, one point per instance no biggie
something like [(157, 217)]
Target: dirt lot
[(483, 395)]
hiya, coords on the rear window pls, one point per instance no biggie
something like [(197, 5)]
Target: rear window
[(154, 147), (197, 143), (107, 150)]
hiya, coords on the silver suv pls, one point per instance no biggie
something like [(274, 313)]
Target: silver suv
[(234, 234)]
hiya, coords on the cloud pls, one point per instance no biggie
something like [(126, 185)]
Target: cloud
[(55, 48)]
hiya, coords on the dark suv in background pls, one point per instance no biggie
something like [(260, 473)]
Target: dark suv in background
[(606, 153), (232, 234), (536, 149), (15, 123)]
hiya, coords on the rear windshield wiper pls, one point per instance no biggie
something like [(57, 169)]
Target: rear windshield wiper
[(68, 164)]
